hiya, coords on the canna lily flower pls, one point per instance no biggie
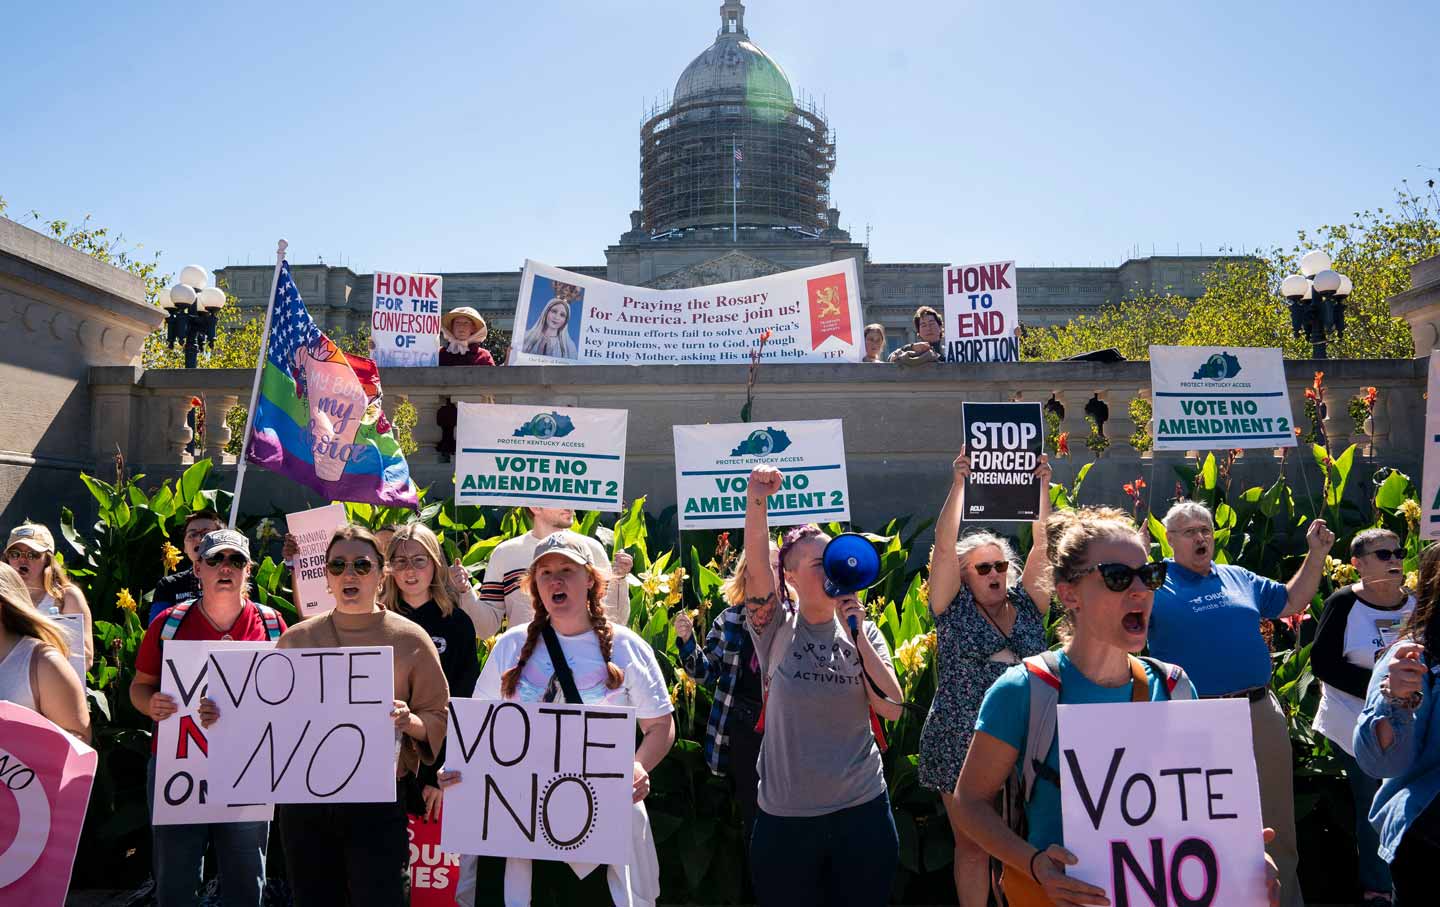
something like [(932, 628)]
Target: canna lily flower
[(1340, 572), (1319, 381), (765, 336), (1062, 444), (911, 655), (1129, 489), (655, 583), (1371, 395), (125, 601), (170, 557), (1410, 510), (1412, 580)]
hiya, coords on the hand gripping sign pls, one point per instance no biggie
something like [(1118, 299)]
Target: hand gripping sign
[(45, 779), (1161, 804)]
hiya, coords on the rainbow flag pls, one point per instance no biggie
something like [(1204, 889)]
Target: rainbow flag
[(318, 419)]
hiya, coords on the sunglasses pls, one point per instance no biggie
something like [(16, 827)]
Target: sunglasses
[(1386, 554), (28, 554), (998, 567), (234, 559), (1118, 577), (361, 565), (402, 562)]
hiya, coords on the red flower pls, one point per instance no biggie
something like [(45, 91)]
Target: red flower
[(1311, 394), (1297, 432), (1062, 444), (196, 402), (765, 335), (1319, 381), (1371, 395), (1128, 489), (1139, 483)]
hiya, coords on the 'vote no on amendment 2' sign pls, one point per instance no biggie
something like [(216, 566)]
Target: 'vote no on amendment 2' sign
[(540, 456), (1219, 398), (713, 464)]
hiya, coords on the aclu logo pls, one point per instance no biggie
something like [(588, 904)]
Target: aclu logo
[(1218, 368), (546, 425), (762, 443)]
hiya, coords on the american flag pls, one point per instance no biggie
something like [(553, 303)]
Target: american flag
[(291, 327), (739, 155)]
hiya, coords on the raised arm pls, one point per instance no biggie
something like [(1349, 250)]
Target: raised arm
[(1036, 578), (761, 599), (944, 563), (1301, 589)]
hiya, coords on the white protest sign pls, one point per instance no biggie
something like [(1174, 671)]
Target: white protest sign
[(982, 310), (540, 456), (1219, 398), (1161, 804), (313, 529), (1430, 481), (182, 747), (74, 627), (713, 463), (564, 318), (405, 319), (303, 726), (543, 780)]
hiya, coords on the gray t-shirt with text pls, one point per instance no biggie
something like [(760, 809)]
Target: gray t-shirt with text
[(818, 754)]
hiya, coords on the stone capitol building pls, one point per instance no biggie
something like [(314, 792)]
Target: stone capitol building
[(735, 97)]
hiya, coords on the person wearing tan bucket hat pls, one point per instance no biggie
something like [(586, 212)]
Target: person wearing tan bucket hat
[(31, 552), (462, 330)]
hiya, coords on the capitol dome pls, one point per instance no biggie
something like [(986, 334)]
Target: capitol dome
[(734, 67)]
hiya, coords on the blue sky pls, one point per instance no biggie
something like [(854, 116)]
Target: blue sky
[(468, 136)]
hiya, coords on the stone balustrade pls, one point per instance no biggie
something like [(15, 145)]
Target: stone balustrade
[(902, 425)]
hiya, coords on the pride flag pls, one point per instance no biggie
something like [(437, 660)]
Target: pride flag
[(318, 418)]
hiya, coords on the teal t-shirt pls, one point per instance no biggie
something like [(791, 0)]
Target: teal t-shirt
[(1005, 715)]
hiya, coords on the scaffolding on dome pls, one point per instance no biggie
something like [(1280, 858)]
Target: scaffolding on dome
[(687, 160)]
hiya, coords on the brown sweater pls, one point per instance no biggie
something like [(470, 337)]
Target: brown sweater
[(419, 681)]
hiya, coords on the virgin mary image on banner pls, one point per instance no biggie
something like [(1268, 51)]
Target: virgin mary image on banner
[(552, 333)]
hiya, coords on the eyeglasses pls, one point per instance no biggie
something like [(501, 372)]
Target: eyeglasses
[(234, 559), (1197, 532), (1386, 554), (997, 566), (28, 554), (197, 533), (361, 565), (1118, 577), (402, 562)]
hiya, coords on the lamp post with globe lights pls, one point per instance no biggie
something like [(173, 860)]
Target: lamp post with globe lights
[(1317, 301), (191, 307)]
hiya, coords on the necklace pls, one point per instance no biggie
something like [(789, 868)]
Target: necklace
[(223, 631)]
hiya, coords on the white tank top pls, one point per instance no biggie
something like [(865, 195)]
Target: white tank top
[(15, 673)]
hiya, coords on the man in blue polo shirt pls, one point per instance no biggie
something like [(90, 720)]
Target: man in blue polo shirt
[(1206, 618)]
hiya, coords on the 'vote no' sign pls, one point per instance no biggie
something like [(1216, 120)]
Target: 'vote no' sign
[(45, 778)]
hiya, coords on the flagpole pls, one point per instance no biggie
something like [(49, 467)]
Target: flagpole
[(734, 191), (255, 385)]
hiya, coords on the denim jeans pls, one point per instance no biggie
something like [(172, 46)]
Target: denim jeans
[(841, 859), (179, 854), (1374, 872)]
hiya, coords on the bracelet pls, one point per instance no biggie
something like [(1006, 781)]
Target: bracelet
[(1032, 866)]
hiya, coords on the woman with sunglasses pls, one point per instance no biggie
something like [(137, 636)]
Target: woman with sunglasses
[(31, 553), (416, 587), (221, 612), (824, 833), (359, 853), (1106, 583), (1359, 623), (988, 616), (1396, 740)]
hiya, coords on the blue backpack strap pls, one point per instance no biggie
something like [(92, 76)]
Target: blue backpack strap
[(177, 614), (271, 617)]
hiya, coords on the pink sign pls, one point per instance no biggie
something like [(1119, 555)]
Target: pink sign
[(45, 778), (434, 874)]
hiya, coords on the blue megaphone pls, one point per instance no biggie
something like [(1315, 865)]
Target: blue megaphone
[(850, 564)]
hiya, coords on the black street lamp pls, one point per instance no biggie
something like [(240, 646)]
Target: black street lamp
[(1317, 301), (190, 310)]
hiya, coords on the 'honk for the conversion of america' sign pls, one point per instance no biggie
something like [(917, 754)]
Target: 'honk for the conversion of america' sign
[(540, 456), (713, 463), (1219, 398)]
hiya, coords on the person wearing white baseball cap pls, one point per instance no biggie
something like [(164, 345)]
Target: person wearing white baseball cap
[(605, 663), (31, 552)]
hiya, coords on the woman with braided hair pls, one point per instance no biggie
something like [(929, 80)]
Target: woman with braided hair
[(609, 665)]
